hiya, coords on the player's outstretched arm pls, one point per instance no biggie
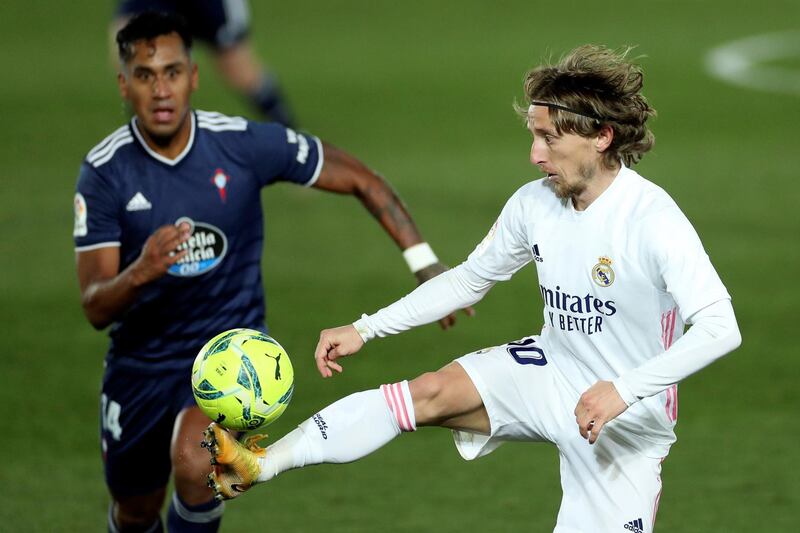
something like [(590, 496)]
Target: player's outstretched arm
[(431, 272), (344, 174), (106, 292), (333, 344)]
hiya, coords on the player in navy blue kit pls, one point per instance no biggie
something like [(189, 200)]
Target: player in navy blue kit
[(168, 234), (224, 25)]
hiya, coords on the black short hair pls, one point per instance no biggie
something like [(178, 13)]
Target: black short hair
[(149, 25)]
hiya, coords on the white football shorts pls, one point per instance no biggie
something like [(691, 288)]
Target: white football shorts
[(612, 485)]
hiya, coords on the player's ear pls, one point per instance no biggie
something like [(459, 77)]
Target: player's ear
[(195, 77), (604, 138), (122, 81)]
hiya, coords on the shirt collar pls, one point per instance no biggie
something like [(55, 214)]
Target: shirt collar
[(157, 156)]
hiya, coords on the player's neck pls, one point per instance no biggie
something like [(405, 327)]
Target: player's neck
[(169, 146), (596, 186)]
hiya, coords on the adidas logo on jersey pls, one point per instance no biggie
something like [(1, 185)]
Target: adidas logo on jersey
[(635, 525), (138, 203), (536, 256)]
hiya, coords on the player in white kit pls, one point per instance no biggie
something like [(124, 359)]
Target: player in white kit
[(621, 272)]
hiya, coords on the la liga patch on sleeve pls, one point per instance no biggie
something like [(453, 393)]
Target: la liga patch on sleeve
[(80, 229)]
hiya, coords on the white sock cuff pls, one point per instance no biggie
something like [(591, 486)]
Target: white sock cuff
[(112, 526), (398, 397)]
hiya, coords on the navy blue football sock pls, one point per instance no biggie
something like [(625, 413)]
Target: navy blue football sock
[(270, 101), (203, 518)]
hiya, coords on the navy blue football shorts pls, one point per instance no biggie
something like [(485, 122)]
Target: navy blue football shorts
[(137, 416), (219, 23)]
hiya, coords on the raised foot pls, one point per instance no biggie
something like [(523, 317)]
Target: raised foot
[(235, 465)]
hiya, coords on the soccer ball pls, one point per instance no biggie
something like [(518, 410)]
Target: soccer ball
[(242, 379)]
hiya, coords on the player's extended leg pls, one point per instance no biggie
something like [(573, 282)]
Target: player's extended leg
[(448, 398), (193, 506), (245, 73), (349, 429)]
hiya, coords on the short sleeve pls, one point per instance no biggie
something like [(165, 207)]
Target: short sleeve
[(682, 264), (504, 250), (96, 211), (282, 154)]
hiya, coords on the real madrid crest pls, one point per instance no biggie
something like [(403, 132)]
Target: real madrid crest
[(602, 273)]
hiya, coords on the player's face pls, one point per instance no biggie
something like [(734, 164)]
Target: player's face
[(569, 160), (158, 82)]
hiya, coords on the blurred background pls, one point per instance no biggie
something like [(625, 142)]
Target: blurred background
[(423, 93)]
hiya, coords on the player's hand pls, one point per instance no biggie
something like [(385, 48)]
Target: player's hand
[(600, 403), (431, 272), (333, 344), (160, 251)]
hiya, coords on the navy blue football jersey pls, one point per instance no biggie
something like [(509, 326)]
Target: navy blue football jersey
[(126, 191)]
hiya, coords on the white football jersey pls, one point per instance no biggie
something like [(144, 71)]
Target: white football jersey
[(618, 280)]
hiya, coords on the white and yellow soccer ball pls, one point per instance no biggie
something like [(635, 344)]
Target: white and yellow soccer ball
[(242, 379)]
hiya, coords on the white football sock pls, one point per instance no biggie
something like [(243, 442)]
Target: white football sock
[(346, 430)]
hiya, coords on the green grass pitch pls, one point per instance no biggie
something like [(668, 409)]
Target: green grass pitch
[(423, 92)]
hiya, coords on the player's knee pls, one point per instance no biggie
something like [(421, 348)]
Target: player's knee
[(139, 512), (191, 465), (428, 392), (240, 67)]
